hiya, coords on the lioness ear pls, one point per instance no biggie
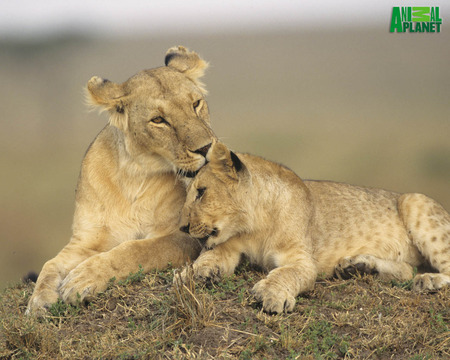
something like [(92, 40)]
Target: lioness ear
[(110, 96), (188, 63), (104, 92)]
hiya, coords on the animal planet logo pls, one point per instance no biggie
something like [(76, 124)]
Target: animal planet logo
[(415, 19)]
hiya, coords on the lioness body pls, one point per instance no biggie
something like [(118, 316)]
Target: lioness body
[(248, 205), (129, 197)]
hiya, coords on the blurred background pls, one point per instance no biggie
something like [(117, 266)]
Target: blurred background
[(320, 86)]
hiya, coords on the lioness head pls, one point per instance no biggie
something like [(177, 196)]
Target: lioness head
[(161, 112), (213, 209)]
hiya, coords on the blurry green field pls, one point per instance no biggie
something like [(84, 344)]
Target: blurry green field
[(361, 106)]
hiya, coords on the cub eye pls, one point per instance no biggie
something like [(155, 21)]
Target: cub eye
[(196, 104), (200, 192), (158, 120)]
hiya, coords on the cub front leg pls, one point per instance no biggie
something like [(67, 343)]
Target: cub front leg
[(92, 275), (211, 265), (277, 292)]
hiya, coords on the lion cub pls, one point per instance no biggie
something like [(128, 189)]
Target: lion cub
[(297, 229)]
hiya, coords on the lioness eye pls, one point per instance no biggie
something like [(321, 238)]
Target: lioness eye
[(196, 104), (200, 192), (158, 120)]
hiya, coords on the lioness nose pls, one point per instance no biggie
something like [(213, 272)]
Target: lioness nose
[(185, 229), (203, 150)]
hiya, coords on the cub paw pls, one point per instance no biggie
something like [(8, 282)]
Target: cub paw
[(352, 266), (431, 281), (208, 274), (275, 299), (201, 273)]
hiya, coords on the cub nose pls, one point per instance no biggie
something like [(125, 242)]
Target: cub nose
[(185, 229), (203, 150)]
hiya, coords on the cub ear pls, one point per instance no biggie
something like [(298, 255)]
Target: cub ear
[(225, 161), (188, 63), (110, 96), (236, 161)]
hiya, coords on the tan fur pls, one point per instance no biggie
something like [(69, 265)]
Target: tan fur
[(298, 229), (129, 195)]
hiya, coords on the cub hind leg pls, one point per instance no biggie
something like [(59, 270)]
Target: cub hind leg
[(368, 264), (428, 226)]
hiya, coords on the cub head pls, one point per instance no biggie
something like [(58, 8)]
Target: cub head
[(161, 112), (214, 209)]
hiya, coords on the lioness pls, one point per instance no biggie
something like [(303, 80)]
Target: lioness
[(129, 196), (243, 204)]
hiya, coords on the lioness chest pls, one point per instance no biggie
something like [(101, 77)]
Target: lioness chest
[(123, 199), (148, 212)]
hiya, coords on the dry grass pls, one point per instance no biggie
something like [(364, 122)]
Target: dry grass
[(148, 317)]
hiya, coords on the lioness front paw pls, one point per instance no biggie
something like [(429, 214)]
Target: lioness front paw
[(40, 302), (431, 281), (275, 299), (82, 284)]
